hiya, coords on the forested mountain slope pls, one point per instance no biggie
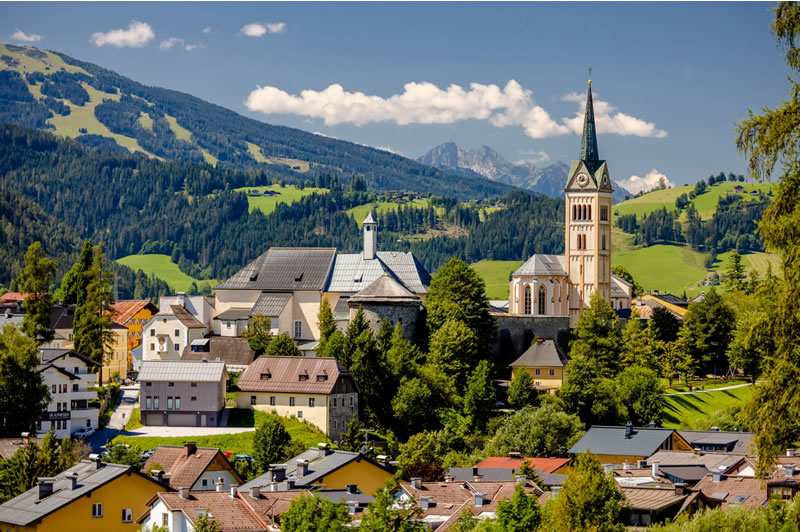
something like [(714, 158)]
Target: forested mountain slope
[(101, 108)]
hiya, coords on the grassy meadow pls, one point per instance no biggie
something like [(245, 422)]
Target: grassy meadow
[(163, 268), (684, 411), (287, 194), (495, 274)]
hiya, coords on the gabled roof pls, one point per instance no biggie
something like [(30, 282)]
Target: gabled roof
[(270, 304), (62, 316), (181, 371), (185, 317), (385, 289), (184, 463), (644, 441), (352, 273), (545, 465), (651, 499), (498, 474), (26, 508), (284, 270), (234, 351), (711, 461), (282, 374), (124, 310), (738, 441), (542, 353), (541, 264), (734, 490), (50, 355)]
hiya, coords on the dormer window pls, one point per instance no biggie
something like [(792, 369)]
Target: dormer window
[(299, 278), (266, 376), (304, 376), (322, 378)]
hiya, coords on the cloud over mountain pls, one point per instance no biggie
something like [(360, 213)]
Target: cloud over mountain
[(137, 35), (636, 184), (20, 35)]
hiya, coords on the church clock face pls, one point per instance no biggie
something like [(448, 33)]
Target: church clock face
[(582, 180)]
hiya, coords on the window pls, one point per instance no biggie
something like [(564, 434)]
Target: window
[(77, 370), (169, 403), (291, 401), (298, 329), (152, 347), (527, 299), (177, 347), (552, 373), (171, 384), (781, 493), (538, 372), (54, 388), (177, 333), (321, 378), (58, 407), (228, 324), (193, 398), (590, 212), (266, 376), (299, 414), (604, 242), (88, 422), (604, 214), (351, 401), (164, 520), (148, 384), (311, 402), (97, 510), (147, 403), (303, 377), (127, 515), (74, 387), (574, 212), (542, 295), (155, 403), (194, 385), (177, 403), (334, 401), (271, 400), (253, 399), (205, 482)]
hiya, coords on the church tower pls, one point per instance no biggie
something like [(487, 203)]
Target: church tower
[(587, 242), (370, 228)]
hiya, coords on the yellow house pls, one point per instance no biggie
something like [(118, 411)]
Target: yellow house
[(318, 390), (319, 466), (91, 496), (116, 360), (133, 314), (546, 364)]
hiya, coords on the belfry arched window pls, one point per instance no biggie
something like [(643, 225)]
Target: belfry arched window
[(589, 217), (604, 242), (541, 299), (527, 299), (574, 212)]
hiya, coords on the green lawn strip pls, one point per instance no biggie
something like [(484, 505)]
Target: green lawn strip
[(683, 411), (708, 384), (288, 194), (135, 421), (163, 268), (495, 274), (236, 443)]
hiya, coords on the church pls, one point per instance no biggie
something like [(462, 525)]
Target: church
[(562, 285)]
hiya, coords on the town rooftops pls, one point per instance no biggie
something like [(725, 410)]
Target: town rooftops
[(234, 351), (51, 355), (124, 310), (385, 289), (711, 461), (62, 316), (183, 316), (284, 269), (184, 463), (292, 374), (734, 490), (733, 442), (541, 264), (541, 353), (623, 441), (545, 465), (498, 474), (651, 499), (28, 507), (181, 371)]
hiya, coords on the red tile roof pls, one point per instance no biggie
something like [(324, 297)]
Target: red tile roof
[(12, 296), (282, 374), (752, 488), (126, 309), (546, 465), (184, 469)]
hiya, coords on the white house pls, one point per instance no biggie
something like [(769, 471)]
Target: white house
[(180, 321), (67, 376)]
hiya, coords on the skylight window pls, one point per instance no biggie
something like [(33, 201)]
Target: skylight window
[(739, 499)]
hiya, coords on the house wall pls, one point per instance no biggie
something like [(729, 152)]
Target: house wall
[(317, 415), (176, 521), (117, 357), (210, 400), (305, 307), (543, 379), (229, 328), (131, 491), (225, 299), (556, 291), (367, 476), (518, 328), (165, 326), (79, 417), (135, 324)]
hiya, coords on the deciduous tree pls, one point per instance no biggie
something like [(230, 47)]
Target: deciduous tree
[(521, 392), (315, 514), (259, 333), (454, 349), (543, 431), (269, 443), (640, 395)]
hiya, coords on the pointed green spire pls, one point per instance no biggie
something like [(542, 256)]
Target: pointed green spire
[(589, 153)]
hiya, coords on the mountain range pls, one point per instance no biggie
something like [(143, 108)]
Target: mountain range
[(484, 161), (102, 109)]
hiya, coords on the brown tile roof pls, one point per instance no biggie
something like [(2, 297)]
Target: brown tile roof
[(284, 375), (545, 465), (9, 446), (232, 351), (124, 310), (185, 317), (730, 486), (652, 499), (184, 470), (270, 503)]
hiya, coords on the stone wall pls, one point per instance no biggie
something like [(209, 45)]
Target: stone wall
[(407, 315), (515, 333)]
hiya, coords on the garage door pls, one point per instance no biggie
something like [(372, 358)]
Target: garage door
[(182, 420), (154, 420)]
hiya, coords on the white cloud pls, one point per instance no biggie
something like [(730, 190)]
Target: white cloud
[(190, 47), (426, 103), (533, 157), (20, 35), (137, 35), (177, 41), (207, 29), (390, 150), (258, 29), (636, 184), (608, 119)]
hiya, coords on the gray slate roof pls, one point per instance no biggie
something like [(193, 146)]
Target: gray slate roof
[(711, 461), (270, 305), (351, 273), (739, 441), (284, 269), (543, 353), (385, 289), (234, 314), (181, 371), (27, 508), (541, 264), (611, 440)]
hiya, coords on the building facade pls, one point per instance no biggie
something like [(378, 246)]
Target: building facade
[(68, 377), (182, 393), (176, 325)]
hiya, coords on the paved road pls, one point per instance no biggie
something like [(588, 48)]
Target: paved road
[(711, 389)]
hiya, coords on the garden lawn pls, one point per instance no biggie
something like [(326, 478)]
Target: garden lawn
[(236, 443), (495, 274), (298, 430), (163, 268), (683, 411)]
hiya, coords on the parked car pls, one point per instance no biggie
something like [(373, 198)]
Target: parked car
[(83, 432), (147, 454), (246, 457)]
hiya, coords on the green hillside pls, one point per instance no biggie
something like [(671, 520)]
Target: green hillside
[(100, 108), (685, 411), (163, 268), (495, 274)]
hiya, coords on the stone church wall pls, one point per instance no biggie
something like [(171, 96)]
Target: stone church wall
[(515, 333), (406, 315)]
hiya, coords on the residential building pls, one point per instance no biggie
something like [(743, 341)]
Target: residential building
[(133, 314), (91, 496), (676, 306), (727, 463), (545, 465), (615, 445), (68, 376), (723, 490), (115, 361), (182, 393), (647, 506), (546, 364), (719, 441), (332, 468), (287, 284), (318, 390), (173, 328), (234, 510), (235, 352), (193, 467), (498, 474)]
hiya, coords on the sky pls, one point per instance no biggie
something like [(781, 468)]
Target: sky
[(670, 80)]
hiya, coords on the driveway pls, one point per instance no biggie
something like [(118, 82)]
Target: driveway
[(120, 416)]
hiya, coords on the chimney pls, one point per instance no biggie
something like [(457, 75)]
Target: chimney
[(234, 490), (302, 468), (655, 469), (189, 448), (352, 507), (351, 488), (255, 493), (220, 484), (680, 488), (448, 477), (45, 486), (95, 458), (273, 486), (383, 460), (73, 478), (183, 493), (158, 475), (521, 479), (370, 228), (425, 502), (628, 430), (626, 467), (789, 469), (416, 483), (26, 438), (181, 297), (290, 483), (479, 498), (322, 449), (515, 455), (279, 473), (608, 469), (652, 424), (716, 476)]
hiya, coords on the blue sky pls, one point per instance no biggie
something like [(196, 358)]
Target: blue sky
[(670, 79)]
